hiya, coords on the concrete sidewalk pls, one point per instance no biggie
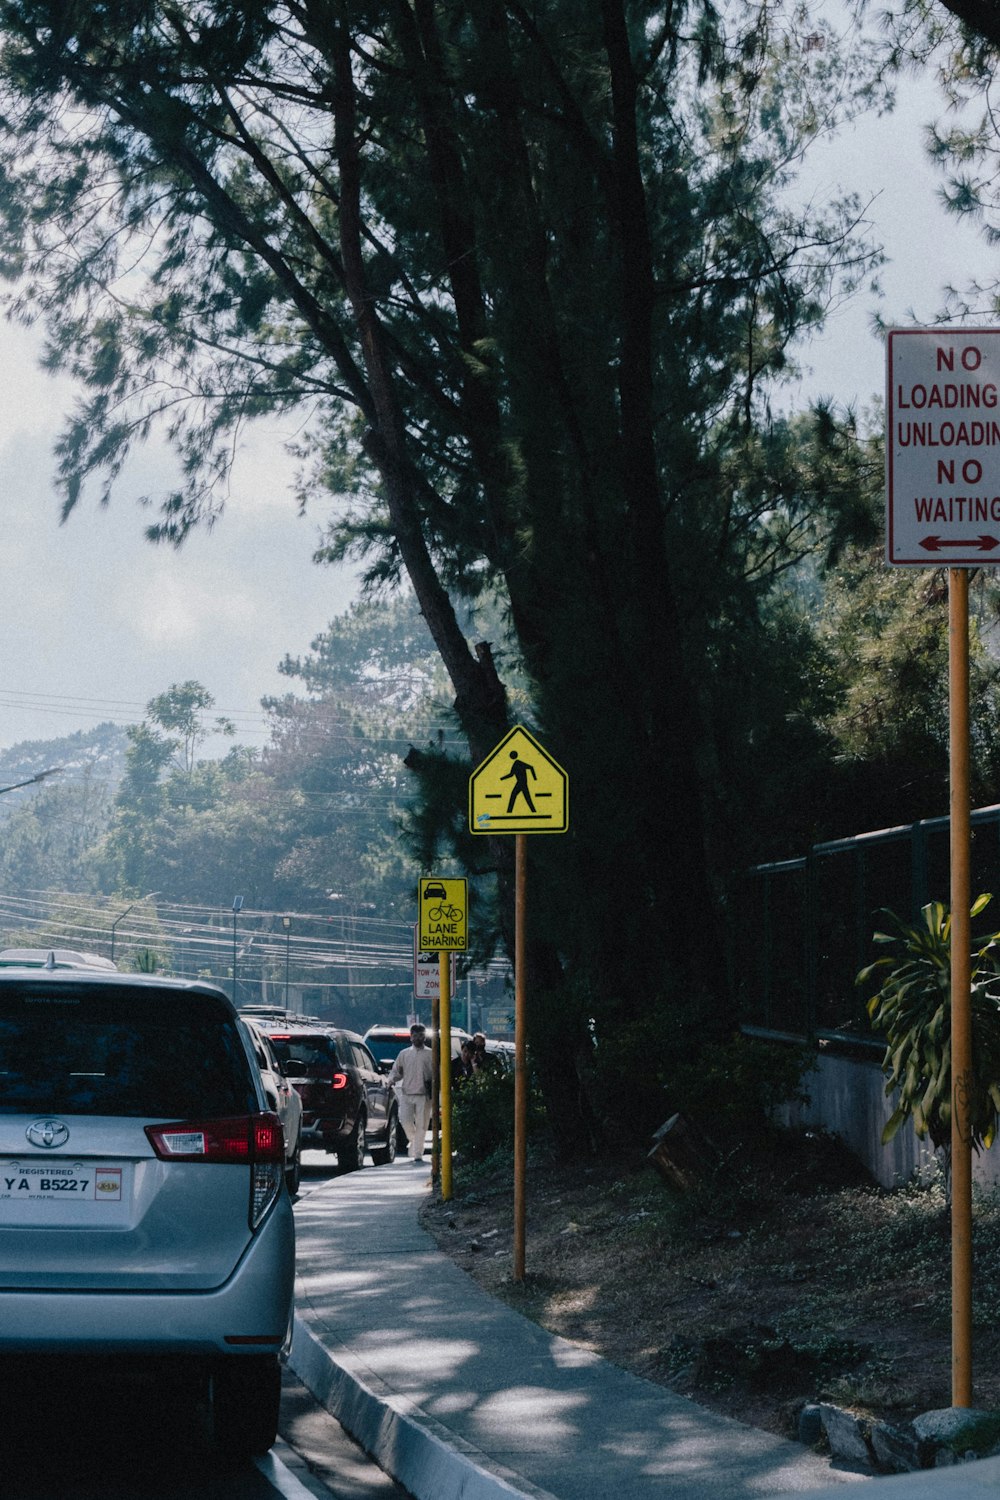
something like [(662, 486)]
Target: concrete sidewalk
[(458, 1397)]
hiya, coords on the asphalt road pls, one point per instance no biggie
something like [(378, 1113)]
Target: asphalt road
[(79, 1434), (79, 1439)]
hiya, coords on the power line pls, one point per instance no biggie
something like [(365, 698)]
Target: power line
[(247, 720), (363, 941)]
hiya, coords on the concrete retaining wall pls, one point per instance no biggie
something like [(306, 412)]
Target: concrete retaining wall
[(847, 1097)]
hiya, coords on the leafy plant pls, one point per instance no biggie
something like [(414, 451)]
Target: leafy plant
[(147, 961), (912, 1010), (483, 1114), (734, 1089)]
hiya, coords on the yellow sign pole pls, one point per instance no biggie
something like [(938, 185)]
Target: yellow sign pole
[(442, 928), (444, 1056), (961, 984), (435, 1085), (520, 1051), (520, 790)]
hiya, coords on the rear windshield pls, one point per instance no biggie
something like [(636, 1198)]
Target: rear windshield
[(317, 1054), (387, 1049), (87, 1051)]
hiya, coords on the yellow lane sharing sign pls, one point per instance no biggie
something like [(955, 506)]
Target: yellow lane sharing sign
[(519, 788), (442, 915)]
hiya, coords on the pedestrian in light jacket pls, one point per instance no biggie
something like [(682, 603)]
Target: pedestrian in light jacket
[(414, 1071)]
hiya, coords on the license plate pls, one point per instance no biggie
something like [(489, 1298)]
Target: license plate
[(40, 1182)]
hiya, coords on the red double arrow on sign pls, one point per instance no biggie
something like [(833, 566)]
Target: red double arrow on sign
[(981, 543)]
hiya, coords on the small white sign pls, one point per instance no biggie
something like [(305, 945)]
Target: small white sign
[(943, 447), (427, 975)]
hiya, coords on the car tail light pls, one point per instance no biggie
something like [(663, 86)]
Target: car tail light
[(256, 1140), (338, 1081)]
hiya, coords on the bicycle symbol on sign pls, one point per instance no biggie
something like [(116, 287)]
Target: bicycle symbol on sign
[(445, 914)]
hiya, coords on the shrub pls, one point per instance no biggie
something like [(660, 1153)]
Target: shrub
[(482, 1114), (733, 1088)]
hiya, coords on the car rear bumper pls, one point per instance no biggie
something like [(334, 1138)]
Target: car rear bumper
[(249, 1314), (323, 1132)]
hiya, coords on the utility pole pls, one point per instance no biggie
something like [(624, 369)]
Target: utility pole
[(237, 907)]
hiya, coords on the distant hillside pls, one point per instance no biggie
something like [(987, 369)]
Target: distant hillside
[(98, 753)]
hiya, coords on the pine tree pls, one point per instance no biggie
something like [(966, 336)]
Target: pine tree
[(534, 272)]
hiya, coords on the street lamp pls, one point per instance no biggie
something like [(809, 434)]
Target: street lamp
[(39, 776), (237, 907), (147, 897), (286, 923)]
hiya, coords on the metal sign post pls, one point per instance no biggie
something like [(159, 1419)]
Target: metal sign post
[(435, 1087), (442, 928), (943, 508), (520, 1053), (961, 984), (519, 789), (444, 1065)]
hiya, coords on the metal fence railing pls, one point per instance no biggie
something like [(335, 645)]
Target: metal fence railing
[(802, 928)]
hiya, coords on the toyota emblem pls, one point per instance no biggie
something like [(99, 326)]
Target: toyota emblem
[(48, 1134)]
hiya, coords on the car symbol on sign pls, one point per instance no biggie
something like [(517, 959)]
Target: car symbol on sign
[(435, 891)]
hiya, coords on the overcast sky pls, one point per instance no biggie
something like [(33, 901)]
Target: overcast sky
[(94, 620), (883, 160)]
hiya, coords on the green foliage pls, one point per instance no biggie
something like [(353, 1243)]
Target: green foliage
[(373, 682), (377, 658), (146, 961), (72, 922), (729, 1086), (140, 801), (311, 818), (180, 710), (483, 1114), (51, 840), (627, 1059), (734, 1088), (837, 703), (912, 1010), (961, 43), (885, 631)]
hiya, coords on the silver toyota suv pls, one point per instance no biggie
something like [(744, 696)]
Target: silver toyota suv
[(143, 1207)]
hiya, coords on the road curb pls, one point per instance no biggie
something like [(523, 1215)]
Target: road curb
[(415, 1449)]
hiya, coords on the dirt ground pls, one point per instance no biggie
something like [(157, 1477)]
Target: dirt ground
[(776, 1283)]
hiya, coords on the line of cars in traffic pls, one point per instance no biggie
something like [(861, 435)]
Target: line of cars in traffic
[(150, 1146), (345, 1103)]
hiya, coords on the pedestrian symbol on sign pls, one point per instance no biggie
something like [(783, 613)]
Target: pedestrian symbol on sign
[(520, 771), (519, 788)]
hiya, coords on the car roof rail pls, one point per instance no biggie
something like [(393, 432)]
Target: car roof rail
[(54, 958), (286, 1017)]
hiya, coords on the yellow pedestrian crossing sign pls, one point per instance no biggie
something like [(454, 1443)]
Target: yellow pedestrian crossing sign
[(519, 788)]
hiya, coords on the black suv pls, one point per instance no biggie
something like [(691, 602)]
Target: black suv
[(347, 1104)]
